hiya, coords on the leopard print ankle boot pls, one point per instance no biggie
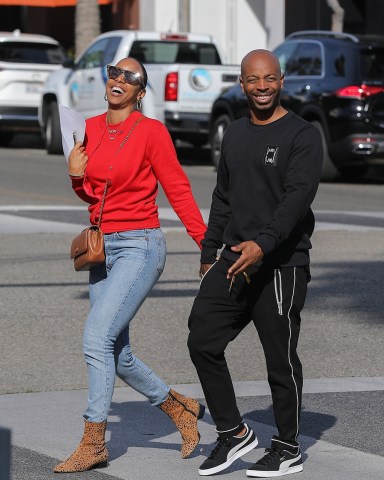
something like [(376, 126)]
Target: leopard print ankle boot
[(91, 452), (184, 412)]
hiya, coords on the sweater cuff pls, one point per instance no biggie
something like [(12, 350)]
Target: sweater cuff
[(208, 255), (266, 242), (198, 239), (77, 181)]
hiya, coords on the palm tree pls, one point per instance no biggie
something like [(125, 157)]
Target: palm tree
[(87, 23)]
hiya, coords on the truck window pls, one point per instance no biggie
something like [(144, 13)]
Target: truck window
[(100, 53), (149, 51)]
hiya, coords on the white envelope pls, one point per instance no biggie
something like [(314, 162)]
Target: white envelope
[(72, 126)]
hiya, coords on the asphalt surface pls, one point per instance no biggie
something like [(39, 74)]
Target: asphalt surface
[(43, 379)]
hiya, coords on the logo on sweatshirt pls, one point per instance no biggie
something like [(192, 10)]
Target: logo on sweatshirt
[(270, 157)]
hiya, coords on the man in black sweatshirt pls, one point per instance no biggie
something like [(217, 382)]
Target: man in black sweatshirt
[(267, 178)]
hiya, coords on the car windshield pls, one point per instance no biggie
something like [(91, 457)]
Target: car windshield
[(23, 52), (372, 65), (175, 52)]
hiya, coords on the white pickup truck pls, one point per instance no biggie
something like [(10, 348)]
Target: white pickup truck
[(185, 74)]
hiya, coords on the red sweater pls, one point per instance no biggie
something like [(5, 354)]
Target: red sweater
[(148, 156)]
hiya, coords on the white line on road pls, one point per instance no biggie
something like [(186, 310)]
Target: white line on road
[(17, 224)]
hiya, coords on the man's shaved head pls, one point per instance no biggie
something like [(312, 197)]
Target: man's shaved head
[(260, 55)]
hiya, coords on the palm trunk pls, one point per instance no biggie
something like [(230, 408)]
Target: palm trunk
[(87, 23)]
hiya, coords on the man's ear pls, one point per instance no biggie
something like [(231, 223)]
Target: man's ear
[(241, 83)]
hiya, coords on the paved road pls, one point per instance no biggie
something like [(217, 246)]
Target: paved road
[(43, 379)]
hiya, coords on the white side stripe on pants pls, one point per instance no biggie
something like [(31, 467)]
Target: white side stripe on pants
[(289, 353)]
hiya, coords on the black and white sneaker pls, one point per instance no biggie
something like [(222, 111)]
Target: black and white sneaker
[(281, 459), (227, 450)]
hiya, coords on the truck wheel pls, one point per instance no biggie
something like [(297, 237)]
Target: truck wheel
[(216, 137), (329, 171), (52, 132), (198, 142)]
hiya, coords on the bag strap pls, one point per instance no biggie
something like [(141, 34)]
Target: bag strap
[(129, 133), (103, 201), (107, 180)]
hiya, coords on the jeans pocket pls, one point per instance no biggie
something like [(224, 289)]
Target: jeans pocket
[(132, 235), (161, 253)]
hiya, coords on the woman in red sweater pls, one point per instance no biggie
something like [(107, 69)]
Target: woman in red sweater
[(132, 153)]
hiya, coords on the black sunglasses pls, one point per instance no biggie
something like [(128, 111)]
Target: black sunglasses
[(133, 78)]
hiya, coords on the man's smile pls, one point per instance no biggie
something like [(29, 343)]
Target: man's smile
[(263, 98)]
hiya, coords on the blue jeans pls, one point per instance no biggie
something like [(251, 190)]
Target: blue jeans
[(134, 262)]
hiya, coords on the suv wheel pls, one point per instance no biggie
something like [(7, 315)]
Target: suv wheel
[(217, 133), (53, 133), (328, 171), (353, 172), (5, 138)]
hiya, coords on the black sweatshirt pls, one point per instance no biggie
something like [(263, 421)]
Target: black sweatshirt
[(266, 181)]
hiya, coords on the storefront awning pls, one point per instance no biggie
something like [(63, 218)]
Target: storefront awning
[(46, 3)]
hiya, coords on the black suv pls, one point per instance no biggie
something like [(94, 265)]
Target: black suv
[(335, 81)]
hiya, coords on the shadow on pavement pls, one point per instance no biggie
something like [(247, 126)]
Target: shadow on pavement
[(189, 155), (354, 287), (26, 140), (138, 424), (312, 424)]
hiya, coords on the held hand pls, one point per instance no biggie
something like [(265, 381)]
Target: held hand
[(204, 267), (250, 253), (77, 161)]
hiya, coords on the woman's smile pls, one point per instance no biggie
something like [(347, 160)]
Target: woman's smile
[(116, 90)]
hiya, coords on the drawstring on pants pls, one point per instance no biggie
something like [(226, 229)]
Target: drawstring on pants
[(278, 290), (232, 281)]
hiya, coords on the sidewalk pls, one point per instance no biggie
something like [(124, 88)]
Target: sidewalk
[(144, 445)]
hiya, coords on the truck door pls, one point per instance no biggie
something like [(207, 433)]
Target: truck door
[(87, 83)]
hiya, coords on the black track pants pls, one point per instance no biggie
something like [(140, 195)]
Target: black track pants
[(273, 301)]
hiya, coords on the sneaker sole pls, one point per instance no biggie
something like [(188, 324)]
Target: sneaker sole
[(286, 471), (229, 462)]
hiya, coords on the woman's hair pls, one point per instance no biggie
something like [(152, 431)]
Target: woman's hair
[(145, 74)]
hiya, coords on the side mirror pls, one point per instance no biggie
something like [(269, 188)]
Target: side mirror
[(69, 63)]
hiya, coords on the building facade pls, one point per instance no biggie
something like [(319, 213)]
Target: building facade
[(238, 25)]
